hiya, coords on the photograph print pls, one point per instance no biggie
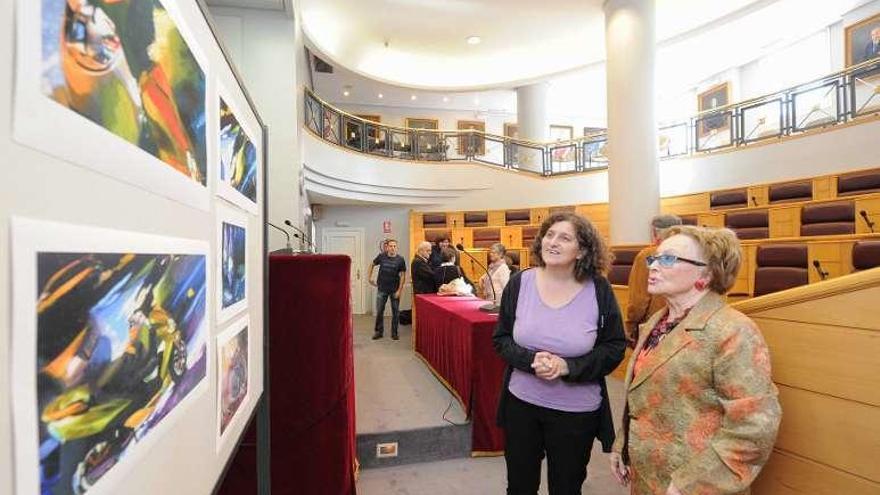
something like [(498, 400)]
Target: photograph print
[(108, 344), (231, 262), (863, 40), (238, 160), (232, 374)]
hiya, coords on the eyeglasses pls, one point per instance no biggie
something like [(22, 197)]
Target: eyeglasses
[(667, 260)]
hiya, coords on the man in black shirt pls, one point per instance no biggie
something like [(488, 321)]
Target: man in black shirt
[(392, 275)]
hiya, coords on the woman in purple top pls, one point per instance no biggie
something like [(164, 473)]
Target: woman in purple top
[(560, 332)]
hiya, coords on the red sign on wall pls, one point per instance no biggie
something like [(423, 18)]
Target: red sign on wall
[(386, 227)]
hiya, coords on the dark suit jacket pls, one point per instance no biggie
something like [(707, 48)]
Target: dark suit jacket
[(422, 277)]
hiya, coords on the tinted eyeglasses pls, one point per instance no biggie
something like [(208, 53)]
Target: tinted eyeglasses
[(668, 260)]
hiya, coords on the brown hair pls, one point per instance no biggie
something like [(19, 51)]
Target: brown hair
[(447, 254), (721, 250), (597, 257)]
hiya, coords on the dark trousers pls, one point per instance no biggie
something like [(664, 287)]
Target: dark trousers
[(381, 299), (565, 437)]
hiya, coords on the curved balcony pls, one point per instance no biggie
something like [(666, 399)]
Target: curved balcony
[(835, 99)]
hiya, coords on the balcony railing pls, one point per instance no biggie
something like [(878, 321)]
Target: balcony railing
[(831, 100)]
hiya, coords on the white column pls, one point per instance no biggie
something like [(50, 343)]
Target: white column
[(532, 120), (633, 176)]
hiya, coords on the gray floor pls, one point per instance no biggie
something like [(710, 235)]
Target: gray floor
[(395, 391)]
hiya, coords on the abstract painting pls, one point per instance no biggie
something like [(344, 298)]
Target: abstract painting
[(109, 343), (124, 65), (232, 374), (239, 169), (232, 262)]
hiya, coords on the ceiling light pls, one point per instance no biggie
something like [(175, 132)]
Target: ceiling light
[(346, 90), (476, 101), (413, 97), (345, 93), (474, 40), (381, 95), (445, 99)]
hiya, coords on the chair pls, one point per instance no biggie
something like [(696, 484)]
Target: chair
[(780, 267), (434, 235), (434, 220), (476, 219), (562, 209), (858, 183), (622, 265), (515, 261), (688, 219), (866, 255), (749, 224), (833, 218), (736, 198), (484, 238), (528, 236), (791, 191), (517, 217)]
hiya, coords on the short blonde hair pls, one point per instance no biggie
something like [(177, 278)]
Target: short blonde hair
[(721, 251)]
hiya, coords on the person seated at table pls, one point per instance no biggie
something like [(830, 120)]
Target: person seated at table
[(560, 332), (448, 270), (436, 258), (498, 273), (422, 273)]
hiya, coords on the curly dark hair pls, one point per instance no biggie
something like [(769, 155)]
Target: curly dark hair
[(597, 257)]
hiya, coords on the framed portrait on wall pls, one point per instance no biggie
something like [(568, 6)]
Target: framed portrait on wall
[(511, 130), (715, 97), (862, 40), (432, 124), (561, 132), (479, 142), (371, 118), (428, 142)]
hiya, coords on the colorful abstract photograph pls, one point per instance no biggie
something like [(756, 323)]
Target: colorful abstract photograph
[(233, 374), (124, 65), (121, 341), (233, 264), (238, 155)]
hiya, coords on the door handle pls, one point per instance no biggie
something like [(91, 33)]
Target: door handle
[(359, 274)]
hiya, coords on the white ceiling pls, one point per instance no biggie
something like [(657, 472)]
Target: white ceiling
[(522, 40), (281, 5)]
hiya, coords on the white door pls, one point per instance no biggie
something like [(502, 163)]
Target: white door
[(349, 242)]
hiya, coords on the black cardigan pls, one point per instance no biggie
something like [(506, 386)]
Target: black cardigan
[(606, 354)]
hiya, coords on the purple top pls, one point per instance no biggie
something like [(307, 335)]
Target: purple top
[(568, 331)]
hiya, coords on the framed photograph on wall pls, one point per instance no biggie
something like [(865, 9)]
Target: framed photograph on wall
[(233, 380), (239, 148), (231, 262), (372, 118), (561, 132), (412, 123), (715, 97), (862, 40), (428, 142), (477, 141), (123, 85), (109, 347), (511, 130)]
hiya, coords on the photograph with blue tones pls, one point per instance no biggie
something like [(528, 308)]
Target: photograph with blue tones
[(238, 155), (233, 264)]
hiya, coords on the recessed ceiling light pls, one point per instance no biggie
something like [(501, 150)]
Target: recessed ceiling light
[(474, 40), (413, 97), (345, 93), (476, 101), (381, 95), (346, 90), (445, 99)]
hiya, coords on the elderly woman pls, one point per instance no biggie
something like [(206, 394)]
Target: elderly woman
[(560, 332), (422, 273), (496, 280), (701, 411)]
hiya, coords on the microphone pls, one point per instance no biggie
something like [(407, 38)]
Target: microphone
[(754, 201), (491, 307), (303, 237), (287, 249), (818, 266), (867, 220)]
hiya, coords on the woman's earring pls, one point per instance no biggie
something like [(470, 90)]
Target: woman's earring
[(700, 284)]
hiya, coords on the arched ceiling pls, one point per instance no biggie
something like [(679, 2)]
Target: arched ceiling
[(423, 43)]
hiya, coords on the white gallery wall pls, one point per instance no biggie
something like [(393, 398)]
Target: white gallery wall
[(182, 454)]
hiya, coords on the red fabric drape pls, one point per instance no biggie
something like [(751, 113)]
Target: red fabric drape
[(455, 338), (311, 379)]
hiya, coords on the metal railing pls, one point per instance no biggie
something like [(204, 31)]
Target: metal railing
[(831, 100)]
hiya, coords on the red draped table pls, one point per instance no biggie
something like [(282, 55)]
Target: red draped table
[(455, 339)]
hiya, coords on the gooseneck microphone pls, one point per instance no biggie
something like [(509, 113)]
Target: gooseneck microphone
[(491, 307), (303, 237), (288, 249), (754, 201), (822, 273), (864, 215)]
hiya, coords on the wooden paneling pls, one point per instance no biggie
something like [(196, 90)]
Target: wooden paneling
[(820, 358), (455, 220), (464, 236), (788, 474), (470, 268), (830, 431), (496, 218), (857, 309), (537, 215), (871, 206), (511, 237), (685, 205), (785, 221), (714, 219), (759, 195), (835, 258), (824, 187), (599, 214)]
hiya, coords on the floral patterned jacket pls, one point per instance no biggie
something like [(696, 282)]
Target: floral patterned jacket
[(703, 410)]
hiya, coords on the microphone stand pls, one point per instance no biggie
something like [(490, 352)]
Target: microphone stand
[(288, 249), (302, 237), (491, 307), (868, 222)]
